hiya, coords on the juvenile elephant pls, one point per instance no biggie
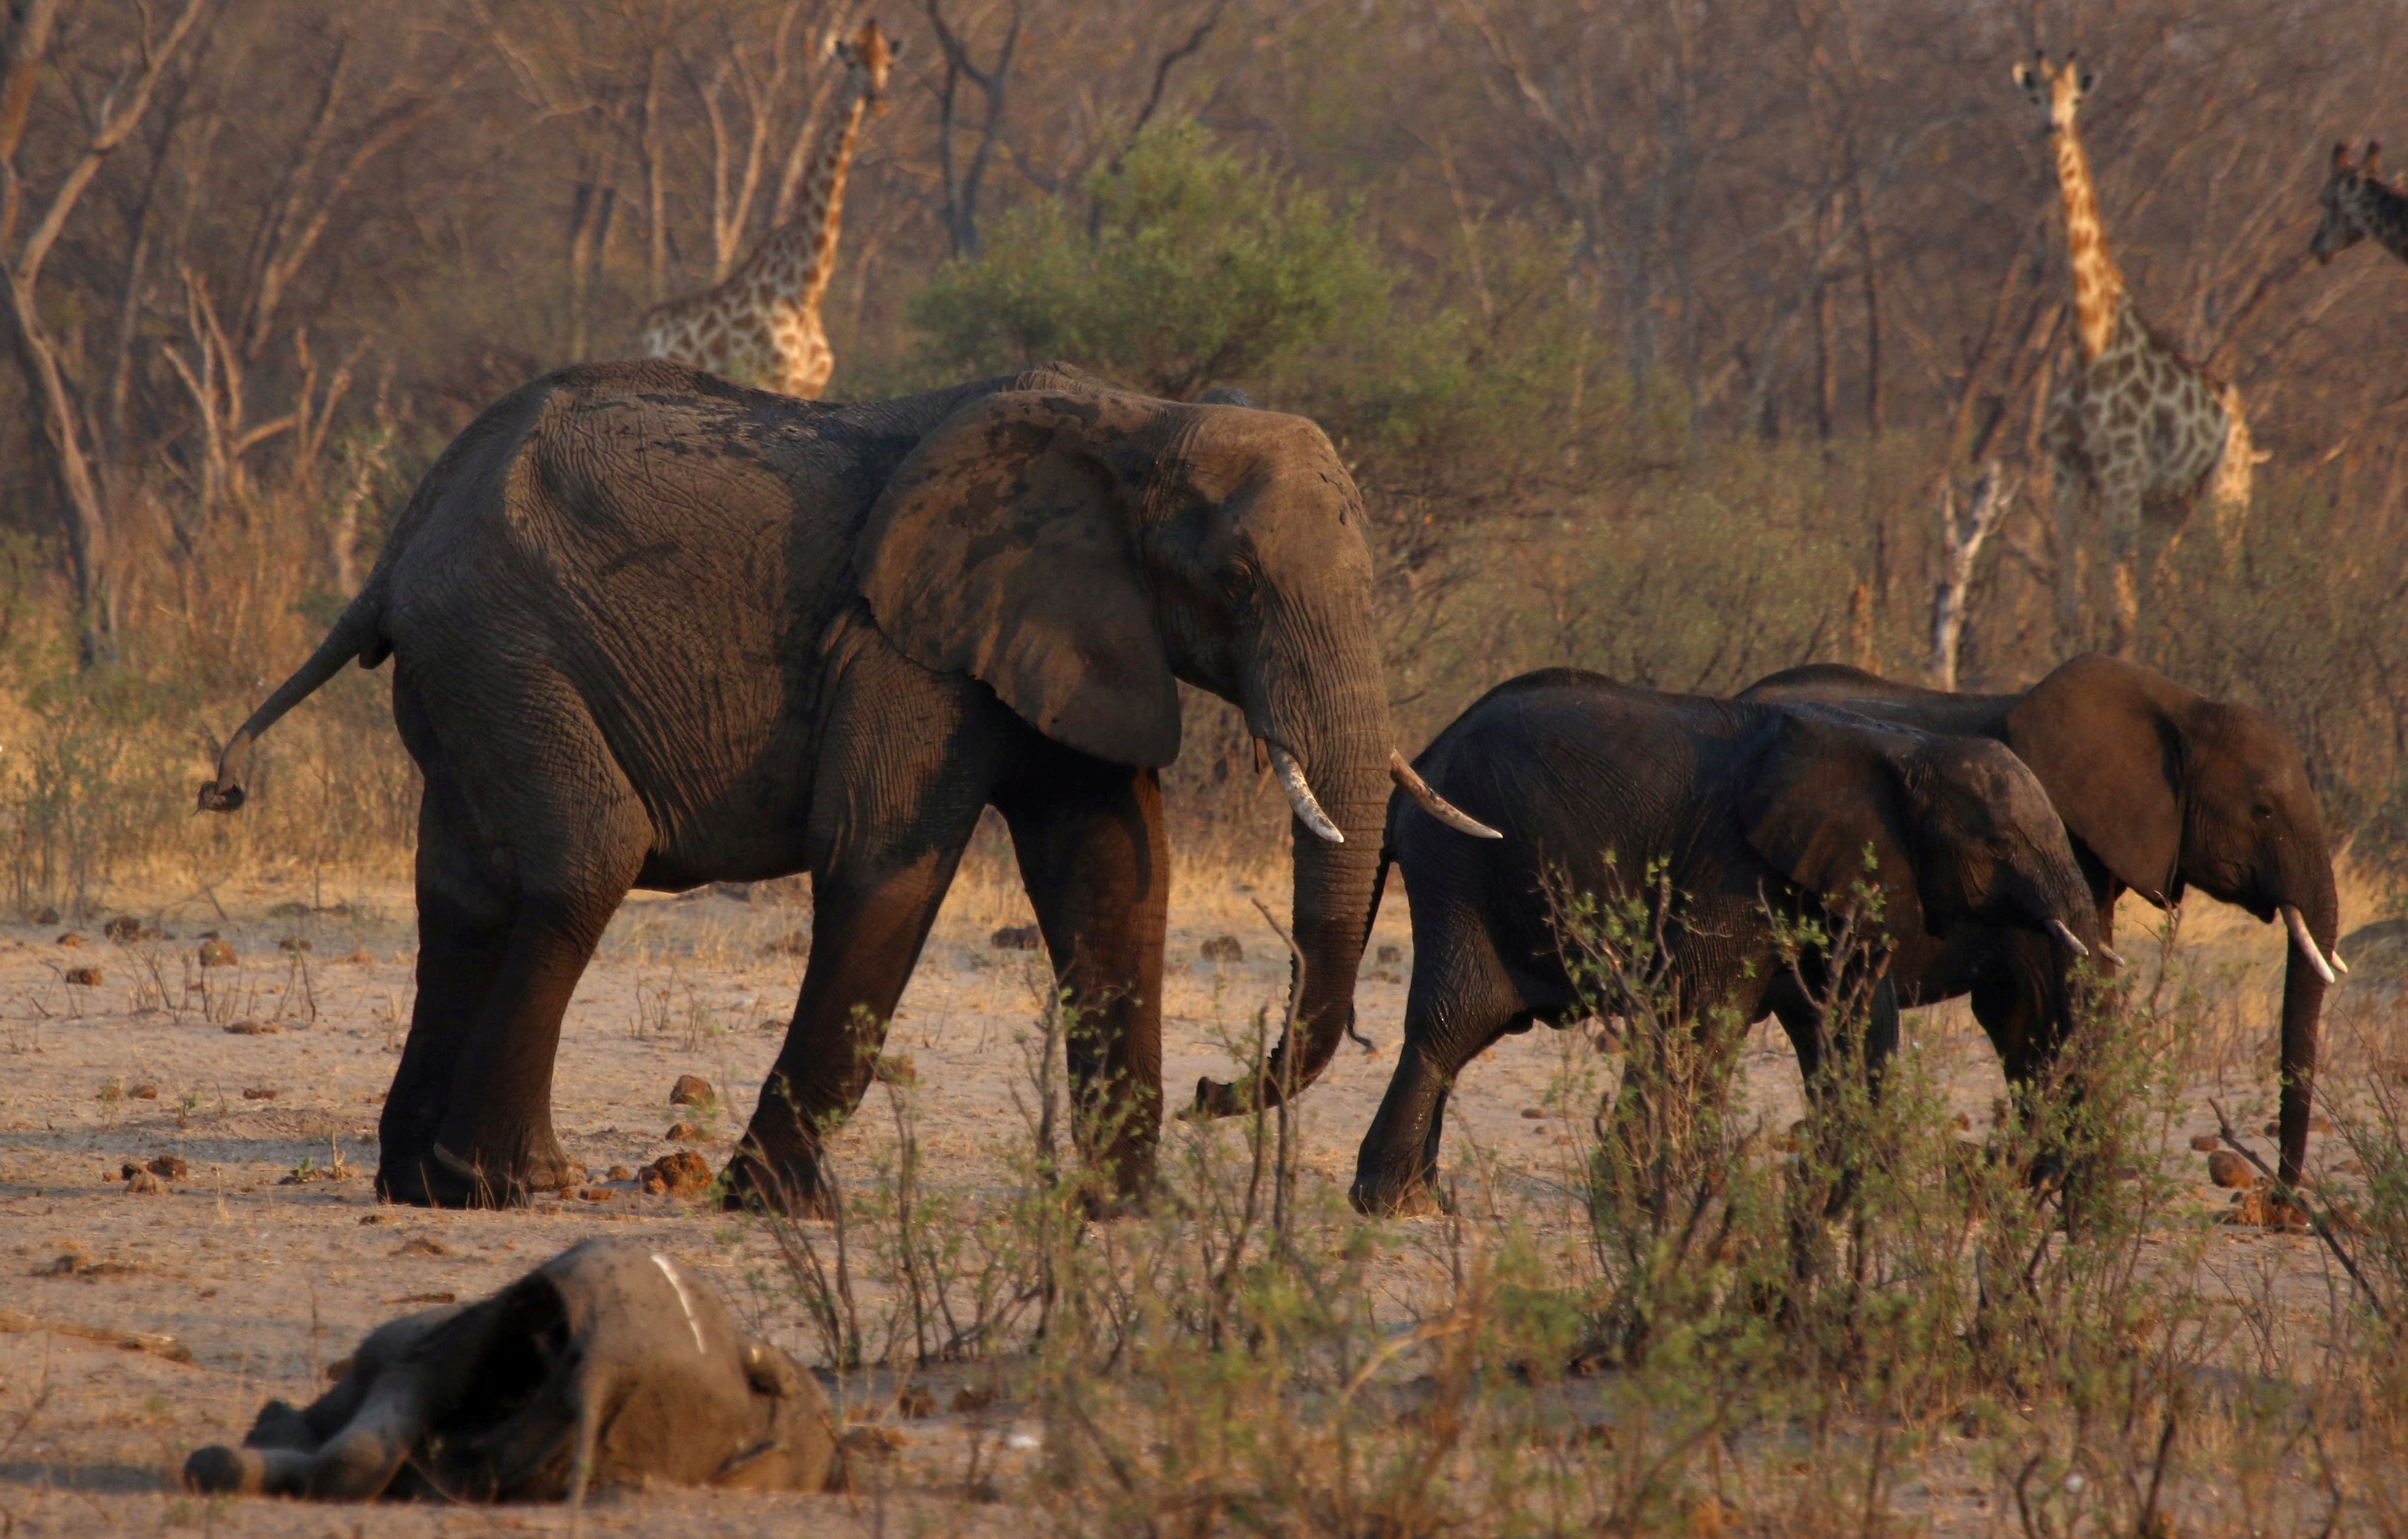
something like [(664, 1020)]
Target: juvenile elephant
[(607, 1365), (653, 629), (1745, 806), (2162, 789)]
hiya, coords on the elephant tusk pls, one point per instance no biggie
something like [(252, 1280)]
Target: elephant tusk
[(2066, 938), (2338, 965), (1431, 803), (1299, 796), (2108, 953), (2298, 924)]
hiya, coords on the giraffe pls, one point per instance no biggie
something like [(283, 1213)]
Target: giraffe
[(2136, 425), (2359, 203), (761, 326)]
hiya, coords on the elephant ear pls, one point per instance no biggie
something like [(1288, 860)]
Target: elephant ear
[(1823, 796), (1006, 547), (2100, 734)]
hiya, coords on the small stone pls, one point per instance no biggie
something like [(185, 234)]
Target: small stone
[(595, 1194), (1534, 1114), (620, 1172), (683, 1172), (683, 1133), (1961, 1122), (894, 1069), (2205, 1142), (143, 1181), (143, 1092), (372, 1218), (259, 1092), (1015, 938), (2230, 1170), (292, 943), (215, 952), (968, 1399), (1392, 954), (47, 916), (421, 1246), (70, 939), (691, 1090), (84, 977), (252, 1029), (914, 1403), (123, 927), (1223, 948), (170, 1166)]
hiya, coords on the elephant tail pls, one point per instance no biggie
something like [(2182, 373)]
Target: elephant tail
[(359, 632)]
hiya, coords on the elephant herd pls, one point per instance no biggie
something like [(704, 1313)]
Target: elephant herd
[(652, 629)]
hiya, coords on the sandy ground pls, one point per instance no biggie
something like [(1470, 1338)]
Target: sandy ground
[(263, 1271)]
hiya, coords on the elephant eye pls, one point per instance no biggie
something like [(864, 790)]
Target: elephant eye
[(2261, 811)]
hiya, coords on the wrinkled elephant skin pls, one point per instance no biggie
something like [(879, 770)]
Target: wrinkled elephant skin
[(652, 630), (2162, 789), (1602, 791), (608, 1365)]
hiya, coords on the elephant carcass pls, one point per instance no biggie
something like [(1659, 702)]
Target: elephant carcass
[(609, 1364)]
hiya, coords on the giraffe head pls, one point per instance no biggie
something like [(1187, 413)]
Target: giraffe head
[(2345, 199), (868, 54), (2057, 89)]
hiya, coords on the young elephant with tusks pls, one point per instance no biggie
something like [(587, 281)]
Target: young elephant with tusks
[(1595, 784), (608, 1365)]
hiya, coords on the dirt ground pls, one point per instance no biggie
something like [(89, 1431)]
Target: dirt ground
[(268, 1257)]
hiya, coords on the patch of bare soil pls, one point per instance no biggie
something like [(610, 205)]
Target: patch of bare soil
[(146, 1315)]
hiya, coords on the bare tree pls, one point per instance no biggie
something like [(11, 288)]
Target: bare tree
[(963, 181), (1961, 545), (25, 56)]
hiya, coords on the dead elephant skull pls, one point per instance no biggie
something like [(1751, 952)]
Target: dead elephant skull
[(608, 1365)]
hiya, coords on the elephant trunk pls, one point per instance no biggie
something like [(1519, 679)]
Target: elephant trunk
[(1327, 729), (2305, 976)]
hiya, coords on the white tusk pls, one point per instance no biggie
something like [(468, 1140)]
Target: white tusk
[(1431, 803), (2298, 924), (2071, 942), (684, 1303), (2104, 950), (2338, 965), (1299, 796)]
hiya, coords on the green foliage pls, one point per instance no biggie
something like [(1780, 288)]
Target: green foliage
[(1192, 267)]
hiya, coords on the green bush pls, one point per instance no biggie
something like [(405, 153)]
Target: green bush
[(1191, 267)]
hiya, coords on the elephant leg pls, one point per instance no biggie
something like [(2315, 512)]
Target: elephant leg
[(1460, 1002), (464, 921), (908, 761), (554, 838), (868, 928), (1097, 863)]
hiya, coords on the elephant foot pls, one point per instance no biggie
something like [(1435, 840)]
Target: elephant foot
[(440, 1178), (1408, 1200), (790, 1186), (1124, 1198)]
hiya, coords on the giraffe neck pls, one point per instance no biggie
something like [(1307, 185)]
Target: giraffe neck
[(2382, 212), (2097, 286), (807, 245)]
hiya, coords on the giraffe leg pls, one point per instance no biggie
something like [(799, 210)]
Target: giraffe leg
[(2120, 500), (2065, 507)]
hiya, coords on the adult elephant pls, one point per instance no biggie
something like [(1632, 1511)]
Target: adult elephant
[(653, 629), (1741, 811), (2162, 789)]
